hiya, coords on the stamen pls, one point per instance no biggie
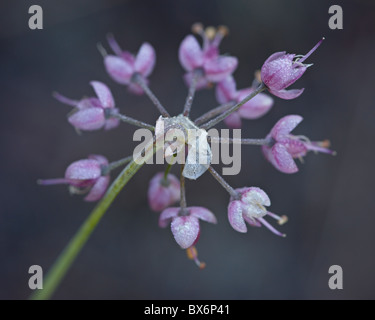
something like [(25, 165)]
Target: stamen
[(197, 28), (271, 228), (280, 220), (312, 50), (114, 44), (210, 32), (101, 50), (192, 254), (48, 182), (65, 100)]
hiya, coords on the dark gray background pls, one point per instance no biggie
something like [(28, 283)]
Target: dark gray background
[(330, 202)]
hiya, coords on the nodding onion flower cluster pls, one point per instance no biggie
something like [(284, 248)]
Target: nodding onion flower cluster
[(205, 67)]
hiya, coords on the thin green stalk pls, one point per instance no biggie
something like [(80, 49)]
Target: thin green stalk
[(71, 251)]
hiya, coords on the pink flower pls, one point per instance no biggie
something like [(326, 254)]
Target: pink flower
[(281, 70), (284, 147), (163, 192), (213, 67), (92, 113), (124, 65), (250, 208), (253, 109), (85, 176), (185, 225)]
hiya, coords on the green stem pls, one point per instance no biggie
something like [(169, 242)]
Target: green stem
[(71, 251)]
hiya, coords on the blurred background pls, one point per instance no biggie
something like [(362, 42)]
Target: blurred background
[(330, 202)]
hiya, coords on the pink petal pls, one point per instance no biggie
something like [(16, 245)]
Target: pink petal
[(118, 69), (233, 121), (287, 94), (256, 195), (98, 189), (235, 216), (283, 160), (203, 214), (167, 215), (284, 126), (103, 93), (88, 119), (226, 90), (89, 103), (275, 56), (160, 196), (190, 53), (253, 222), (256, 107), (185, 230), (218, 69), (86, 169), (101, 159), (145, 60), (111, 123)]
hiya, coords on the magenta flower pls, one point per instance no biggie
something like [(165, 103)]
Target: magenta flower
[(253, 109), (85, 176), (250, 208), (281, 70), (163, 192), (206, 60), (124, 65), (284, 147), (185, 227), (92, 113)]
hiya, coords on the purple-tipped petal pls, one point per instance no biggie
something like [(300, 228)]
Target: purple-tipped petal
[(284, 126), (190, 53), (220, 68), (98, 189), (226, 90), (256, 107), (283, 160), (88, 119), (185, 230), (87, 169), (103, 93), (167, 215), (287, 94), (145, 60), (119, 70), (233, 121), (203, 214), (235, 216)]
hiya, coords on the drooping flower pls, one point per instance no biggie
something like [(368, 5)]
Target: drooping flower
[(163, 192), (85, 176), (250, 208), (285, 147), (185, 223), (282, 69), (206, 60), (92, 113), (124, 65), (253, 109)]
